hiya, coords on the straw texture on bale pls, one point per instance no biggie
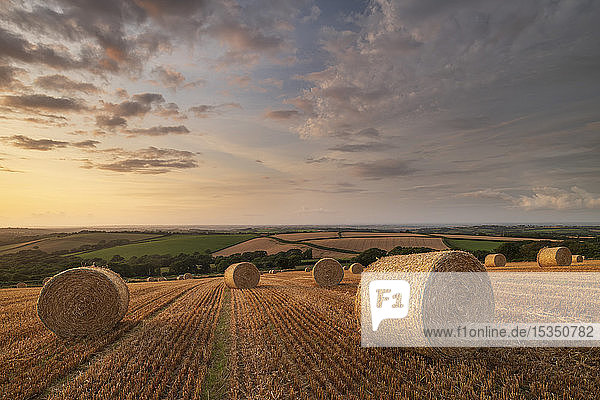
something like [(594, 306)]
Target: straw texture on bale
[(327, 272), (243, 275), (21, 285), (495, 260), (356, 268), (577, 258), (554, 256), (187, 276), (83, 301), (430, 302)]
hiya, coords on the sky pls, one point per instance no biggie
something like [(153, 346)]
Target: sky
[(122, 112)]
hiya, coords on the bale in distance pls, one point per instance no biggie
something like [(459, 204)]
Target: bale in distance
[(180, 277), (21, 285), (346, 267), (83, 301), (577, 258), (554, 257), (307, 269), (271, 271), (243, 275), (327, 272), (150, 279), (495, 260), (439, 261), (356, 268), (187, 275)]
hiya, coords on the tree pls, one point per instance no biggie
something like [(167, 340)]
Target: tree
[(369, 256)]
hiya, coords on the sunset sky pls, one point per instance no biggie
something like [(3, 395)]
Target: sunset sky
[(299, 112)]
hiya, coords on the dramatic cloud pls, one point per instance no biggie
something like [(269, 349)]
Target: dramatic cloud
[(205, 110), (140, 105), (158, 131), (151, 160), (44, 102), (8, 77), (28, 143), (281, 115), (86, 144), (63, 84)]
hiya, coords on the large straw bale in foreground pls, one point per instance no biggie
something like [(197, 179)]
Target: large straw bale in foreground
[(577, 258), (83, 301), (439, 297), (356, 268), (495, 260), (554, 257), (327, 272), (243, 275)]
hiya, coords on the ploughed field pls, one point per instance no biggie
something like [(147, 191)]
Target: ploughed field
[(285, 339)]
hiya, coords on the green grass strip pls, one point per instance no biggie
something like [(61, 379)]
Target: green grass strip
[(216, 381)]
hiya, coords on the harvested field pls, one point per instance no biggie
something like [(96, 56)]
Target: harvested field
[(306, 235), (347, 234), (272, 246), (384, 243), (285, 339), (585, 266)]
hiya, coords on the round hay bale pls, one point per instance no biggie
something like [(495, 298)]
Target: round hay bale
[(327, 272), (83, 301), (346, 267), (21, 285), (180, 277), (150, 279), (307, 269), (554, 257), (495, 260), (577, 258), (243, 275), (46, 279), (187, 275), (162, 279), (271, 271), (462, 301), (356, 268)]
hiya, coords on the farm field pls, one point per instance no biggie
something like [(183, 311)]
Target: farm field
[(272, 246), (500, 238), (585, 266), (286, 339), (173, 245), (472, 245), (384, 243), (74, 241)]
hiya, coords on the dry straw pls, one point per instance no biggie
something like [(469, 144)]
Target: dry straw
[(327, 272), (187, 276), (495, 260), (243, 275), (554, 256), (433, 299), (21, 285), (83, 301), (577, 258), (356, 268)]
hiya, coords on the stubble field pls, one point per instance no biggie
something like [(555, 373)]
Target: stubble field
[(285, 339)]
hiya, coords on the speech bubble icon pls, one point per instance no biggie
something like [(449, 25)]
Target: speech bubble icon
[(388, 299)]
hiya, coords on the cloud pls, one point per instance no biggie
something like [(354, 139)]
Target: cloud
[(28, 143), (543, 198), (150, 160), (44, 102), (139, 105), (8, 77), (106, 121), (281, 115), (158, 131), (315, 12), (388, 168), (169, 77), (86, 144), (206, 110), (356, 148), (64, 84)]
